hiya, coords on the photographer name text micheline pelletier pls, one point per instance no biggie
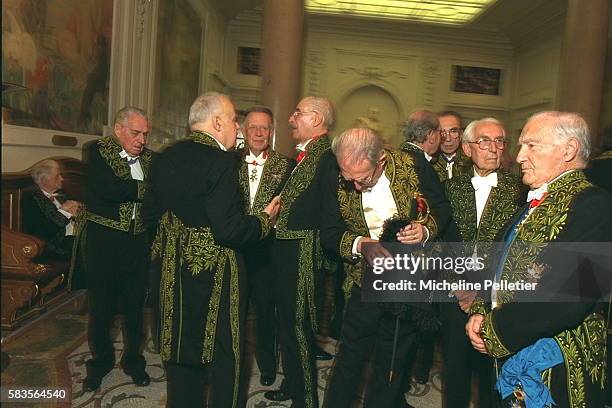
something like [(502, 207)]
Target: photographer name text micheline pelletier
[(461, 285)]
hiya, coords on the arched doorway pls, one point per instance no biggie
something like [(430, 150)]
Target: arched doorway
[(370, 106)]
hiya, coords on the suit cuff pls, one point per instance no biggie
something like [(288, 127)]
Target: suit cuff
[(142, 187), (346, 246), (265, 223), (493, 343)]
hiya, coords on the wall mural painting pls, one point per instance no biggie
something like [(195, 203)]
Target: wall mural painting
[(178, 73), (55, 63)]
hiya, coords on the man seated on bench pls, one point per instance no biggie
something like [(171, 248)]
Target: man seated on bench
[(46, 213)]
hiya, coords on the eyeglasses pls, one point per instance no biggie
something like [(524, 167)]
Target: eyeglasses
[(450, 134), (485, 143), (298, 112), (364, 182)]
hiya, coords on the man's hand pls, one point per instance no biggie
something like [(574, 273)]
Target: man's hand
[(413, 233), (465, 298), (71, 206), (372, 250), (272, 209), (472, 329)]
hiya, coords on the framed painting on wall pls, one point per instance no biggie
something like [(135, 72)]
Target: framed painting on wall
[(57, 53), (180, 47), (476, 80)]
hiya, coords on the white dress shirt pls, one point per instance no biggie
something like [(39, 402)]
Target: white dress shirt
[(255, 170), (482, 187), (135, 170), (449, 163), (378, 205)]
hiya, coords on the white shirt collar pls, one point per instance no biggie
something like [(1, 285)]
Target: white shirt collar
[(536, 194), (302, 146), (219, 143), (125, 155), (259, 159)]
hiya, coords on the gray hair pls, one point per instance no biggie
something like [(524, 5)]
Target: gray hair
[(323, 106), (469, 134), (358, 144), (566, 126), (123, 114), (259, 109), (43, 169), (205, 106), (419, 124)]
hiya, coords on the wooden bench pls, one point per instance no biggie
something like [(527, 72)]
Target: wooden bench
[(30, 284)]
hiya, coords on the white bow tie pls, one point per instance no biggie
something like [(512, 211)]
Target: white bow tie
[(258, 161), (489, 181), (537, 193), (130, 159)]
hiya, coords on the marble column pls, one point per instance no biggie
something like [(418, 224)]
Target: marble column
[(583, 60), (281, 64)]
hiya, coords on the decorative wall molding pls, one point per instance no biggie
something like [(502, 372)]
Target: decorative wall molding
[(429, 80), (316, 67)]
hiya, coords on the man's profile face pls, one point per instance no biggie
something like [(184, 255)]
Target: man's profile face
[(302, 120), (53, 181), (229, 124), (489, 159), (450, 134), (362, 173), (432, 142), (540, 156), (258, 129), (133, 134)]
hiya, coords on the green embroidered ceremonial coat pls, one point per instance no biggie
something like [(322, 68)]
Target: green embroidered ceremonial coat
[(195, 194), (462, 165), (573, 211), (404, 183), (276, 171)]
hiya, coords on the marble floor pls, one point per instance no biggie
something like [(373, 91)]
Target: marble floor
[(51, 352)]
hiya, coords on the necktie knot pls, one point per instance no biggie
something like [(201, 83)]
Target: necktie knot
[(300, 156)]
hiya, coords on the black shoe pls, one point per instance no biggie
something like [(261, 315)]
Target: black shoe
[(91, 383), (140, 378), (267, 380), (322, 355), (276, 395)]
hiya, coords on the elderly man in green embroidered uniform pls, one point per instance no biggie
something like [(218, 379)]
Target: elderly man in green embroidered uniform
[(451, 161), (483, 201), (263, 173), (378, 184), (194, 191), (296, 254), (116, 247), (550, 352)]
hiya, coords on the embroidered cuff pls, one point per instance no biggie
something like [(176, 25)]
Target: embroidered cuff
[(266, 225), (493, 343), (478, 307), (346, 245), (142, 187), (432, 227)]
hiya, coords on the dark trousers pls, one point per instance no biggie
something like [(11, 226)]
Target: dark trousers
[(461, 360), (185, 382), (261, 285), (116, 265), (367, 328), (294, 327)]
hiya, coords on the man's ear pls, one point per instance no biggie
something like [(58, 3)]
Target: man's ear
[(571, 150), (116, 128), (466, 149), (216, 123), (317, 119)]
